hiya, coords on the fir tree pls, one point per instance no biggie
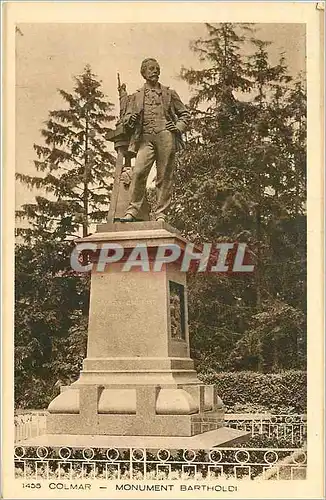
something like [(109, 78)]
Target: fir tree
[(75, 179), (75, 163), (242, 178)]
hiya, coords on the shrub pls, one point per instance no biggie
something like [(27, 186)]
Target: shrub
[(284, 392)]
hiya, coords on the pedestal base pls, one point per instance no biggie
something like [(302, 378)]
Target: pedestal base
[(141, 370), (217, 438), (138, 378), (141, 410)]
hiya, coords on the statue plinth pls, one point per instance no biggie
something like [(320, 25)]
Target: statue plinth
[(138, 378)]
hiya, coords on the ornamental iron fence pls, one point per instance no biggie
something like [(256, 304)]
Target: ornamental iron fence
[(290, 427), (293, 427), (37, 463), (29, 424)]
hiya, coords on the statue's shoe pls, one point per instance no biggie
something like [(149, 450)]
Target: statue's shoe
[(128, 218)]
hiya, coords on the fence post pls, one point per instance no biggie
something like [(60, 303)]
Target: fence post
[(131, 471)]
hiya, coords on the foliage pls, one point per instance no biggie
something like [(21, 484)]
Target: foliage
[(284, 392), (268, 343), (242, 178), (75, 164), (51, 301), (273, 441), (49, 305)]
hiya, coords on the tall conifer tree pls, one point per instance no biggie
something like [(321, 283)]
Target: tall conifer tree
[(242, 178), (74, 177), (74, 163)]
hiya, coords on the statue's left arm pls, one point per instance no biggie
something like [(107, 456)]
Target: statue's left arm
[(181, 112)]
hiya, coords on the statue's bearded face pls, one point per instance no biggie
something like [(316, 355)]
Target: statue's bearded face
[(152, 72)]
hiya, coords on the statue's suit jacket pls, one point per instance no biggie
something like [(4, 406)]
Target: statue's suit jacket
[(174, 111)]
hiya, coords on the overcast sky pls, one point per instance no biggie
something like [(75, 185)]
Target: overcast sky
[(49, 55)]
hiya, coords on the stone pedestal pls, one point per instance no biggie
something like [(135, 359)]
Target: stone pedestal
[(138, 378)]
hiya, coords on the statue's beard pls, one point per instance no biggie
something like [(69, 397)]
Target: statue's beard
[(153, 78)]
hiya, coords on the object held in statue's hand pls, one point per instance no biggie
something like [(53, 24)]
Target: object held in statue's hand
[(171, 126), (132, 120)]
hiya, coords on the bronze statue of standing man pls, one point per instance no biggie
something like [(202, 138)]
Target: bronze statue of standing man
[(155, 118)]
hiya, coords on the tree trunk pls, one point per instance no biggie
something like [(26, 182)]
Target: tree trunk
[(85, 194), (258, 261)]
